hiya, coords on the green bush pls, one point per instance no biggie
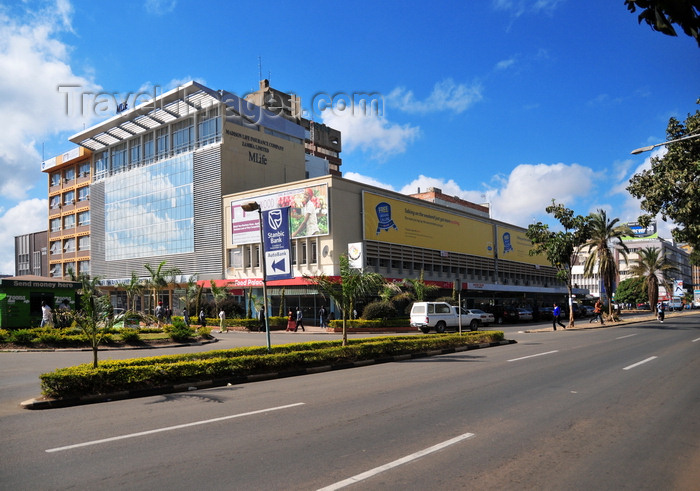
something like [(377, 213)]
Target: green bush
[(22, 336), (379, 310), (161, 371), (4, 336), (179, 331), (130, 336)]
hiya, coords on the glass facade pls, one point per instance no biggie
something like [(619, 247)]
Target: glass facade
[(150, 210)]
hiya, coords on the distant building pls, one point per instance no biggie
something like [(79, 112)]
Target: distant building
[(31, 254)]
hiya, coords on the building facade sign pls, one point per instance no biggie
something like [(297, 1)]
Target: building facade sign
[(513, 245)]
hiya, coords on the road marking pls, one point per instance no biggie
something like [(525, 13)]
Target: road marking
[(640, 362), (403, 460), (532, 356), (695, 340), (628, 336), (171, 428)]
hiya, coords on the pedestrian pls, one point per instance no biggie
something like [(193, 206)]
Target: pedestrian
[(46, 319), (261, 318), (159, 313), (222, 321), (597, 312), (186, 316), (354, 313), (300, 320), (660, 312), (291, 321), (556, 312), (322, 316), (202, 318)]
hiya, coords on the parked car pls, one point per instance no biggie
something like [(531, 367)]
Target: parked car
[(588, 310), (485, 318), (524, 315), (502, 314), (442, 316), (643, 306)]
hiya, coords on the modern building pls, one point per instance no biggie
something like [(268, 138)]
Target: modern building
[(69, 177), (398, 236), (158, 172), (31, 256), (643, 238)]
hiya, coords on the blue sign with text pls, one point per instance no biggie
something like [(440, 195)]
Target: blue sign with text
[(277, 244)]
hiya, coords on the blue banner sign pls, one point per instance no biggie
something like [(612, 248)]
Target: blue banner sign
[(277, 244)]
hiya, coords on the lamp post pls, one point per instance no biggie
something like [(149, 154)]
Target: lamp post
[(252, 206), (651, 147)]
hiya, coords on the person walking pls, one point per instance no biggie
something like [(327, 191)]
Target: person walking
[(300, 320), (322, 316), (222, 321), (261, 319), (186, 316), (291, 322), (660, 312), (46, 319), (597, 312), (202, 318), (556, 312)]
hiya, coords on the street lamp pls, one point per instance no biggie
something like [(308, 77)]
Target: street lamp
[(651, 147), (252, 206)]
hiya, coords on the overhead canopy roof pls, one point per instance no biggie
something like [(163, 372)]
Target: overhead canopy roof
[(180, 102)]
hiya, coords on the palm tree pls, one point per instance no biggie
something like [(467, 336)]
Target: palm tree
[(420, 287), (134, 287), (352, 285), (652, 267), (219, 293), (160, 278), (603, 233)]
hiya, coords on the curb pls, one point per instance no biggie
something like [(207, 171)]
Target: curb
[(42, 403), (108, 348)]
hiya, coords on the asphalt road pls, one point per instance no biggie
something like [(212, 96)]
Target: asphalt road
[(612, 408)]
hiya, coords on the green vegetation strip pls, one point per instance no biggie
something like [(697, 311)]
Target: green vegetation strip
[(161, 371)]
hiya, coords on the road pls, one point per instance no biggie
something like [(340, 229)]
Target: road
[(613, 408)]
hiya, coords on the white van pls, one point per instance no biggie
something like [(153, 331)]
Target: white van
[(440, 316), (675, 304)]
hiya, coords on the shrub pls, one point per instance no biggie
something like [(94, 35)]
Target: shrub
[(4, 335), (379, 310), (22, 336), (130, 336), (179, 331)]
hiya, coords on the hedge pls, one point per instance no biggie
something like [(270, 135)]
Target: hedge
[(161, 371)]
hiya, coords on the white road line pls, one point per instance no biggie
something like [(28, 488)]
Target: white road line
[(628, 336), (696, 340), (640, 362), (403, 460), (532, 356), (170, 428)]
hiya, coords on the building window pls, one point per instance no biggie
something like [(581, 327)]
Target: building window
[(209, 127), (183, 136), (55, 247), (55, 202), (37, 263), (294, 252), (83, 267), (118, 158), (84, 193), (100, 165), (84, 243), (84, 218), (162, 143), (68, 221), (69, 245), (84, 169), (69, 198), (148, 148), (55, 178), (256, 256), (303, 253), (69, 174), (56, 270), (68, 268), (314, 252), (135, 157), (55, 224)]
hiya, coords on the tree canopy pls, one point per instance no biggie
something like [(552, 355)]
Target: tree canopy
[(672, 186), (660, 15)]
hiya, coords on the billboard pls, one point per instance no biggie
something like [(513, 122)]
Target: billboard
[(400, 222), (513, 245), (308, 213), (639, 232)]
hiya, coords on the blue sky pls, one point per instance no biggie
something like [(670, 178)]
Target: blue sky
[(511, 102)]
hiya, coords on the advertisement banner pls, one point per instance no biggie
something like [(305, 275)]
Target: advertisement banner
[(356, 255), (513, 245), (277, 244), (400, 222), (308, 213)]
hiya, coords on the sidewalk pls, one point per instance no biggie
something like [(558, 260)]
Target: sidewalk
[(582, 324)]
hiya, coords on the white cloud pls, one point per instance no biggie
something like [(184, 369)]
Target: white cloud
[(27, 217), (372, 134), (505, 64), (354, 176), (160, 7), (34, 63), (520, 7), (446, 96)]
